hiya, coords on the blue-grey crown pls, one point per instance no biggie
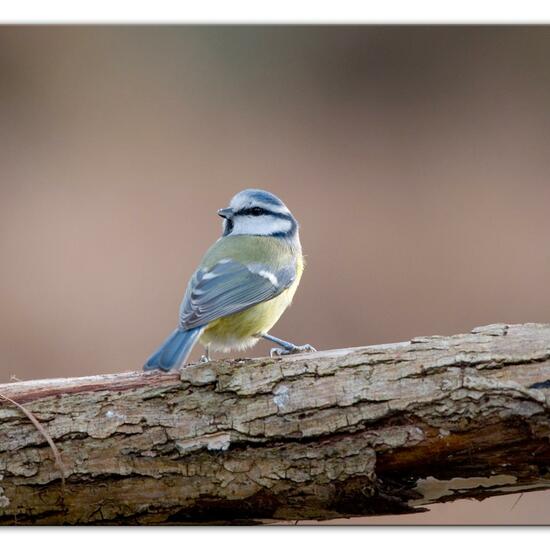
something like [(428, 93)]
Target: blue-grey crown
[(259, 195)]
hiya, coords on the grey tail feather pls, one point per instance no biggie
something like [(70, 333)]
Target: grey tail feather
[(174, 351)]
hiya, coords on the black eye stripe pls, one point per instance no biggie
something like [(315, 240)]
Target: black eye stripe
[(255, 211), (259, 211)]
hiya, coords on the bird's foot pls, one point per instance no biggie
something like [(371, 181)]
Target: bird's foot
[(277, 352), (204, 359)]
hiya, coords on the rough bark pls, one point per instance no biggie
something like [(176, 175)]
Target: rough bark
[(354, 432)]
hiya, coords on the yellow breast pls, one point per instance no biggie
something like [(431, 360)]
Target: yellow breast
[(239, 330)]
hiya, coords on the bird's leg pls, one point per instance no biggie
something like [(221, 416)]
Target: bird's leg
[(286, 347), (206, 357)]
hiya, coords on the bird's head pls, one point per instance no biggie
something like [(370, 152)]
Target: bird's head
[(257, 212)]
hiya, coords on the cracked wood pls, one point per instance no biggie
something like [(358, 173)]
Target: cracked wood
[(353, 432)]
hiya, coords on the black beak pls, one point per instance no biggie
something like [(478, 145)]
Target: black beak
[(226, 213)]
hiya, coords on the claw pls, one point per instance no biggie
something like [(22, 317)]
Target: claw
[(277, 352), (204, 359)]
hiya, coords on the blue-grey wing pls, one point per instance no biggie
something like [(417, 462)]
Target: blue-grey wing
[(229, 287)]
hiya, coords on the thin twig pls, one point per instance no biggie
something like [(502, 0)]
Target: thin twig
[(42, 430), (517, 500)]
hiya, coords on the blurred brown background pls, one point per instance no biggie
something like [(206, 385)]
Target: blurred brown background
[(415, 158)]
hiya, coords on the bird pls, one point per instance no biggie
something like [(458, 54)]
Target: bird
[(244, 283)]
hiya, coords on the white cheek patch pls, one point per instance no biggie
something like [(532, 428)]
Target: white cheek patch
[(260, 225)]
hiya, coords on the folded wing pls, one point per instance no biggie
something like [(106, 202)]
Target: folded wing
[(229, 287)]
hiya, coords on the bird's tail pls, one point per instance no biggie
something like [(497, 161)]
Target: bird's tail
[(174, 351)]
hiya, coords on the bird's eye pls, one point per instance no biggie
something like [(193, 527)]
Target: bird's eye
[(256, 211)]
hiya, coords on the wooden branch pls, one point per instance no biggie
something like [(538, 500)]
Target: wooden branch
[(367, 431)]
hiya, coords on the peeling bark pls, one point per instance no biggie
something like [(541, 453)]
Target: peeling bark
[(356, 432)]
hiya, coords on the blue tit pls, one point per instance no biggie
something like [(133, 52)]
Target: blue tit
[(243, 285)]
